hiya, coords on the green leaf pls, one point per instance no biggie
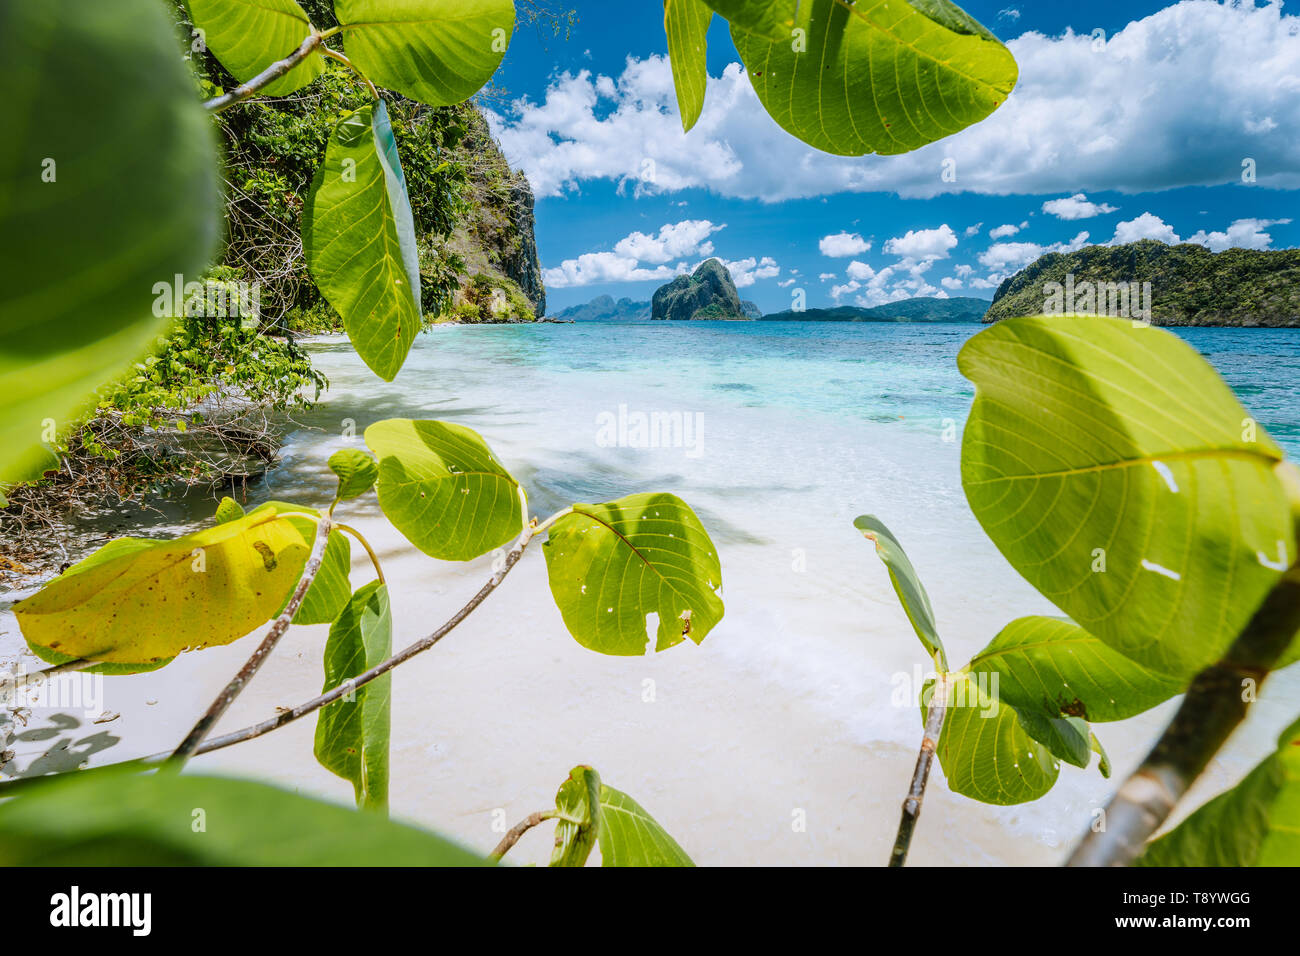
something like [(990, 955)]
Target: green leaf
[(1059, 669), (441, 486), (352, 735), (229, 510), (136, 603), (331, 589), (907, 585), (985, 751), (687, 24), (629, 836), (1094, 444), (112, 818), (871, 78), (440, 52), (359, 238), (611, 565), (577, 806), (107, 187), (588, 812), (247, 36), (1068, 738), (1256, 823), (357, 472), (1103, 763)]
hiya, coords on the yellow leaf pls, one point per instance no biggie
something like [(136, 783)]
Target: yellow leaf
[(136, 603)]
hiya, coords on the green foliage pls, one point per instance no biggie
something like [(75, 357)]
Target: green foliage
[(247, 36), (228, 510), (1256, 823), (330, 590), (113, 818), (441, 486), (577, 812), (439, 52), (629, 836), (687, 24), (352, 734), (1058, 669), (869, 78), (1126, 437), (985, 750), (1192, 285), (997, 747), (612, 565), (359, 236), (357, 472), (129, 162), (589, 812), (907, 585)]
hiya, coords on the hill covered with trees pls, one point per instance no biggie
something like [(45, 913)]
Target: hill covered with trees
[(1189, 284), (919, 309)]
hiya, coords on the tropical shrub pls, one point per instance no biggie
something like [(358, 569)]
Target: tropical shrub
[(1120, 476)]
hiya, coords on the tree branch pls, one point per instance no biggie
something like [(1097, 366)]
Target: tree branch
[(316, 703), (1215, 704), (912, 805), (267, 76), (518, 830), (281, 624)]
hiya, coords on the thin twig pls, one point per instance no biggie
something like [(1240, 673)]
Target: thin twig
[(267, 76), (316, 703), (916, 793), (518, 830), (1215, 704), (281, 624), (374, 559), (335, 55)]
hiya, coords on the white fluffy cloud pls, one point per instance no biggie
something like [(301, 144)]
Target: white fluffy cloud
[(1145, 226), (745, 272), (1076, 207), (673, 241), (1012, 256), (859, 270), (1010, 229), (1154, 129), (592, 268), (843, 244), (633, 253), (1241, 233), (923, 243)]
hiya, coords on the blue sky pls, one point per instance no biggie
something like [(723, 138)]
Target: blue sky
[(1138, 131)]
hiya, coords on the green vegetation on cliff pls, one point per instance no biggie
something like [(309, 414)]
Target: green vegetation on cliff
[(1190, 285), (473, 214), (708, 293)]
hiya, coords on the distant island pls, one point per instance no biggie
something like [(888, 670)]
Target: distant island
[(1186, 284), (919, 309), (604, 308), (707, 293), (710, 293)]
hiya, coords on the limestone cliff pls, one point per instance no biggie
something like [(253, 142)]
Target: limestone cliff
[(708, 293)]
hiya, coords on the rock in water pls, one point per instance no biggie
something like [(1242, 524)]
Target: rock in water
[(709, 293)]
